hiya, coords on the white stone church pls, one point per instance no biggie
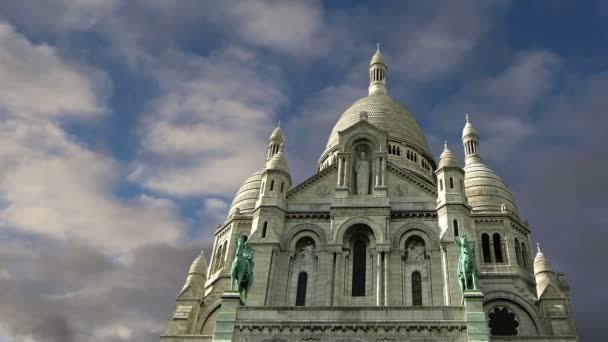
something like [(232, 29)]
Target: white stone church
[(364, 249)]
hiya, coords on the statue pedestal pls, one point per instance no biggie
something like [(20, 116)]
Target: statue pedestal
[(224, 327), (477, 325)]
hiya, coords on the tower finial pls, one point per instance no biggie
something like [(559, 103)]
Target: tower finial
[(538, 247), (378, 46), (279, 123), (466, 117), (445, 144)]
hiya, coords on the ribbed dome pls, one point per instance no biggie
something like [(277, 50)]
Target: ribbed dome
[(277, 134), (541, 263), (485, 190), (469, 129), (377, 58), (247, 195), (278, 162), (447, 158), (386, 114), (199, 265)]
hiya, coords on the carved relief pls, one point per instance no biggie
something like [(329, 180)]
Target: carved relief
[(322, 190), (400, 190)]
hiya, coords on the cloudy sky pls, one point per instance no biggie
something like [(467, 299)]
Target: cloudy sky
[(127, 126)]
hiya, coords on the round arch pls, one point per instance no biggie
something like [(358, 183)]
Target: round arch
[(305, 229), (509, 299), (378, 236), (414, 228), (206, 313)]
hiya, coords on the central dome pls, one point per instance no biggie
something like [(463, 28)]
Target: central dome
[(388, 115)]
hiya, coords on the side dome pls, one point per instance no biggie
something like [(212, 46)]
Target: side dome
[(248, 194), (485, 191), (388, 115)]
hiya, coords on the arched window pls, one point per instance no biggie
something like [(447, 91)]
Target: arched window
[(359, 265), (485, 246), (502, 322), (265, 229), (223, 256), (416, 289), (451, 183), (301, 291), (271, 185), (524, 256), (518, 251), (216, 262), (441, 184), (497, 247), (455, 224)]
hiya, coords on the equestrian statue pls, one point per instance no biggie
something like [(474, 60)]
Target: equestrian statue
[(241, 273), (467, 270)]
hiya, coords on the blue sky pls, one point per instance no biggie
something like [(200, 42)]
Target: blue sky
[(126, 127)]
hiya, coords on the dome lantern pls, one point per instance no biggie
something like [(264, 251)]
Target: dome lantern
[(377, 73)]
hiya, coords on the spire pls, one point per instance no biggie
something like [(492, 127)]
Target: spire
[(275, 141), (541, 263), (470, 141), (377, 73), (447, 157)]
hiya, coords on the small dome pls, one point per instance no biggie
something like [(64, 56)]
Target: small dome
[(485, 191), (541, 263), (199, 265), (447, 158), (277, 134), (377, 58), (248, 194), (468, 129), (278, 162)]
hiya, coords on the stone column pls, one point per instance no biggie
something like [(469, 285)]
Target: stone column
[(340, 170), (224, 327), (477, 325), (379, 278), (346, 173), (383, 171)]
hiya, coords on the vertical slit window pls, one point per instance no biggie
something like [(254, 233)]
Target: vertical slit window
[(524, 256), (441, 185), (265, 229), (416, 289), (282, 186), (455, 224), (451, 183), (485, 245), (301, 291), (271, 185), (359, 265), (497, 247), (517, 252)]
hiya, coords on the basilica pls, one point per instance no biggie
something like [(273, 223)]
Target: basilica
[(366, 248)]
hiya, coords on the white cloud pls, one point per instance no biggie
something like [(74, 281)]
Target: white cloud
[(50, 183), (36, 82), (207, 132)]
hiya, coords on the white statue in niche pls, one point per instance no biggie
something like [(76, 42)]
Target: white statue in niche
[(362, 173)]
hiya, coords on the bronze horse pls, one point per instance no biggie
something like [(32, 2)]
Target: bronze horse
[(241, 273)]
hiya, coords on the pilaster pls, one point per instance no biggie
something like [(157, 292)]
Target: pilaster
[(477, 325), (224, 327)]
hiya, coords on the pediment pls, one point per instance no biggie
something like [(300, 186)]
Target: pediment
[(319, 186), (402, 181), (190, 291), (550, 291)]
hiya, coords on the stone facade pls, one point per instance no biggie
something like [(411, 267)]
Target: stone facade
[(367, 253)]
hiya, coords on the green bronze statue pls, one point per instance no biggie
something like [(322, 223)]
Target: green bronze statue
[(241, 273), (467, 270)]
